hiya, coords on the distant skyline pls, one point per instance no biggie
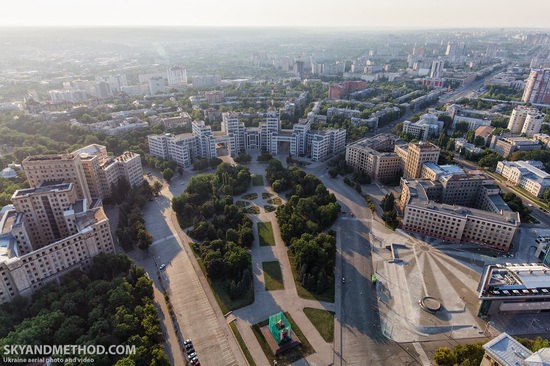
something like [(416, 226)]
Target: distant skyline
[(280, 13)]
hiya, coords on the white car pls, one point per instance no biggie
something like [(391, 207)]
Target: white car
[(162, 266)]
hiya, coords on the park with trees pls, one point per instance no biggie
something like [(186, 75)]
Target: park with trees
[(110, 304), (221, 228)]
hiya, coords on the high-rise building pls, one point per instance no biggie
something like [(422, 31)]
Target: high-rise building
[(65, 168), (157, 85), (533, 122), (299, 69), (537, 87), (437, 69), (414, 155), (176, 75), (517, 119)]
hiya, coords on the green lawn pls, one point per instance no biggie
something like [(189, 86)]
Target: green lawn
[(304, 293), (273, 277), (242, 344), (219, 290), (258, 180), (323, 320), (289, 357), (265, 232)]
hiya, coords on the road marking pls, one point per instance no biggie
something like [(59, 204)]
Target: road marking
[(423, 357), (158, 241)]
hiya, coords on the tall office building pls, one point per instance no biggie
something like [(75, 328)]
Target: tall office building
[(517, 119), (57, 168), (537, 87), (437, 69), (414, 155)]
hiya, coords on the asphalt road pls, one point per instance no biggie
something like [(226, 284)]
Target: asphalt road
[(358, 338)]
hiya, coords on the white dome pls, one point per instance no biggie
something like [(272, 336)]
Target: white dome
[(8, 173)]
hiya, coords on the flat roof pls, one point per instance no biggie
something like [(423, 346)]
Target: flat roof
[(43, 188), (506, 350)]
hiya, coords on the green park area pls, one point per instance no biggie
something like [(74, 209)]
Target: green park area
[(265, 232), (323, 320), (273, 277)]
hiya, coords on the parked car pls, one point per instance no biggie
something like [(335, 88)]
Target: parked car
[(186, 342), (162, 266), (192, 356)]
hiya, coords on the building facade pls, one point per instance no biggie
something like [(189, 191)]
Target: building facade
[(537, 87)]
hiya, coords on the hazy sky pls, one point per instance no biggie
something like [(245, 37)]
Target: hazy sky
[(340, 13)]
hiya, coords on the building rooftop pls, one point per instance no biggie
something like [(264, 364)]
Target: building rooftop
[(43, 188), (93, 149), (506, 350), (50, 157), (515, 280)]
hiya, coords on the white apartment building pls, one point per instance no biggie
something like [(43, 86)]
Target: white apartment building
[(176, 76), (525, 120), (525, 174)]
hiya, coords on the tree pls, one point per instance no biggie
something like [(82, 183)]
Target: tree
[(388, 202), (168, 174), (144, 239), (156, 188), (443, 356)]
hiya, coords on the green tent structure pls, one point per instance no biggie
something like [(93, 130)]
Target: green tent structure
[(280, 328)]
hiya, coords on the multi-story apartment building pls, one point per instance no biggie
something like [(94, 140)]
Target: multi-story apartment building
[(57, 168), (376, 157), (537, 87), (176, 75), (525, 120), (414, 155), (237, 138), (27, 264), (525, 174)]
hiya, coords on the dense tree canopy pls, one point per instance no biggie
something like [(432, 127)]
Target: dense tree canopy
[(111, 304)]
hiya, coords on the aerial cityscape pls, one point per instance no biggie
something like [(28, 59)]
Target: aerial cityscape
[(304, 192)]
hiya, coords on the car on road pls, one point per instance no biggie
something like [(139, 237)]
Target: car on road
[(186, 342), (195, 362), (192, 356), (190, 350), (182, 183), (162, 266), (343, 279)]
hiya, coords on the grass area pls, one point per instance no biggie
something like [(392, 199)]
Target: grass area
[(289, 357), (266, 195), (265, 232), (249, 196), (323, 320), (252, 210), (258, 180), (303, 292), (242, 344), (275, 201), (220, 292), (242, 203), (269, 208), (273, 277)]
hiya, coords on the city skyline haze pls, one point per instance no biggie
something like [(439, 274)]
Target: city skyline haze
[(281, 13)]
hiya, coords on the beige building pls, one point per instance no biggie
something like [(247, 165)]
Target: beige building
[(457, 206), (414, 155), (425, 212), (376, 157), (49, 234), (102, 171), (57, 168), (504, 146)]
